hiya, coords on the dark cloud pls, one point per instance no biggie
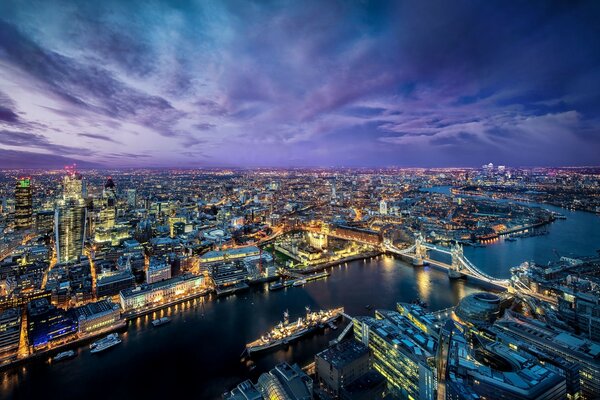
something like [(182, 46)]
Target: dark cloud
[(7, 115), (25, 159), (25, 139), (98, 137), (330, 83)]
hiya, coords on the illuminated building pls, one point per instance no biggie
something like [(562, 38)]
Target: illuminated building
[(44, 221), (478, 308), (557, 344), (383, 207), (97, 316), (481, 368), (47, 323), (158, 270), (70, 220), (402, 353), (23, 204), (167, 290), (131, 198), (10, 329), (229, 255), (174, 220), (340, 365), (111, 284), (285, 382)]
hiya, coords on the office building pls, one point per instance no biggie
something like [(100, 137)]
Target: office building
[(340, 365), (401, 352), (559, 344), (23, 204), (158, 270), (70, 220), (10, 331), (131, 198), (285, 382), (167, 290), (46, 323), (383, 207), (98, 316), (110, 284)]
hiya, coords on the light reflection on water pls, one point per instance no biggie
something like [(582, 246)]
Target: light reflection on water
[(200, 349)]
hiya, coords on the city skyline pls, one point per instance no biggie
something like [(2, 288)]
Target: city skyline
[(361, 84)]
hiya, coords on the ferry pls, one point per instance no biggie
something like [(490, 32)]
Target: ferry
[(285, 332), (105, 343), (300, 282), (161, 321), (65, 355)]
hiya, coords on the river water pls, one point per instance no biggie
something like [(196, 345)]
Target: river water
[(197, 355), (578, 235)]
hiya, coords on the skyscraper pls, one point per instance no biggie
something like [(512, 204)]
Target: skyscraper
[(131, 198), (70, 219), (23, 204)]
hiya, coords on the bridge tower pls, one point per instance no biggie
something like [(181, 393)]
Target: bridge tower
[(420, 251), (456, 251)]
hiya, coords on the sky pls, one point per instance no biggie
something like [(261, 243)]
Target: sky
[(299, 83)]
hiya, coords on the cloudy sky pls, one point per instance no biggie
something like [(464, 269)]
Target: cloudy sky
[(299, 83)]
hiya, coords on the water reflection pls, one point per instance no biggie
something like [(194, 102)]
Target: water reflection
[(200, 349)]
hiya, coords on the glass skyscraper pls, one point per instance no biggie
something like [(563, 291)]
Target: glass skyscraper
[(23, 204), (70, 220)]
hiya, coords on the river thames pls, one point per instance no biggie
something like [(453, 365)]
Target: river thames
[(198, 354)]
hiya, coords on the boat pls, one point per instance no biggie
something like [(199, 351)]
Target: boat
[(510, 239), (285, 332), (161, 321), (276, 286), (105, 343), (332, 325), (300, 282), (65, 355)]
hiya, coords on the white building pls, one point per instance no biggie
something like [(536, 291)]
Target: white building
[(164, 291), (383, 209), (158, 270)]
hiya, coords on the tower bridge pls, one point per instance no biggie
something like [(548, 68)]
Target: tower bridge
[(460, 266)]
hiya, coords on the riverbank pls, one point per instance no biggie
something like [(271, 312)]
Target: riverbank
[(321, 267), (49, 352)]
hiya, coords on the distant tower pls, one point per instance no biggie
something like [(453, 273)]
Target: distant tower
[(23, 204), (70, 219), (131, 198), (333, 192), (110, 192), (383, 209)]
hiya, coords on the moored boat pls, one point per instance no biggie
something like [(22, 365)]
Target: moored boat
[(65, 355), (105, 343), (285, 332), (161, 321)]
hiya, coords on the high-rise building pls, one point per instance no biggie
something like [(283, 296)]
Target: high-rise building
[(23, 204), (383, 209), (70, 219), (402, 353), (131, 198)]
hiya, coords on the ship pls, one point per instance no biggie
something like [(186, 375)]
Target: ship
[(161, 321), (65, 355), (105, 343), (300, 282), (286, 331), (280, 285)]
